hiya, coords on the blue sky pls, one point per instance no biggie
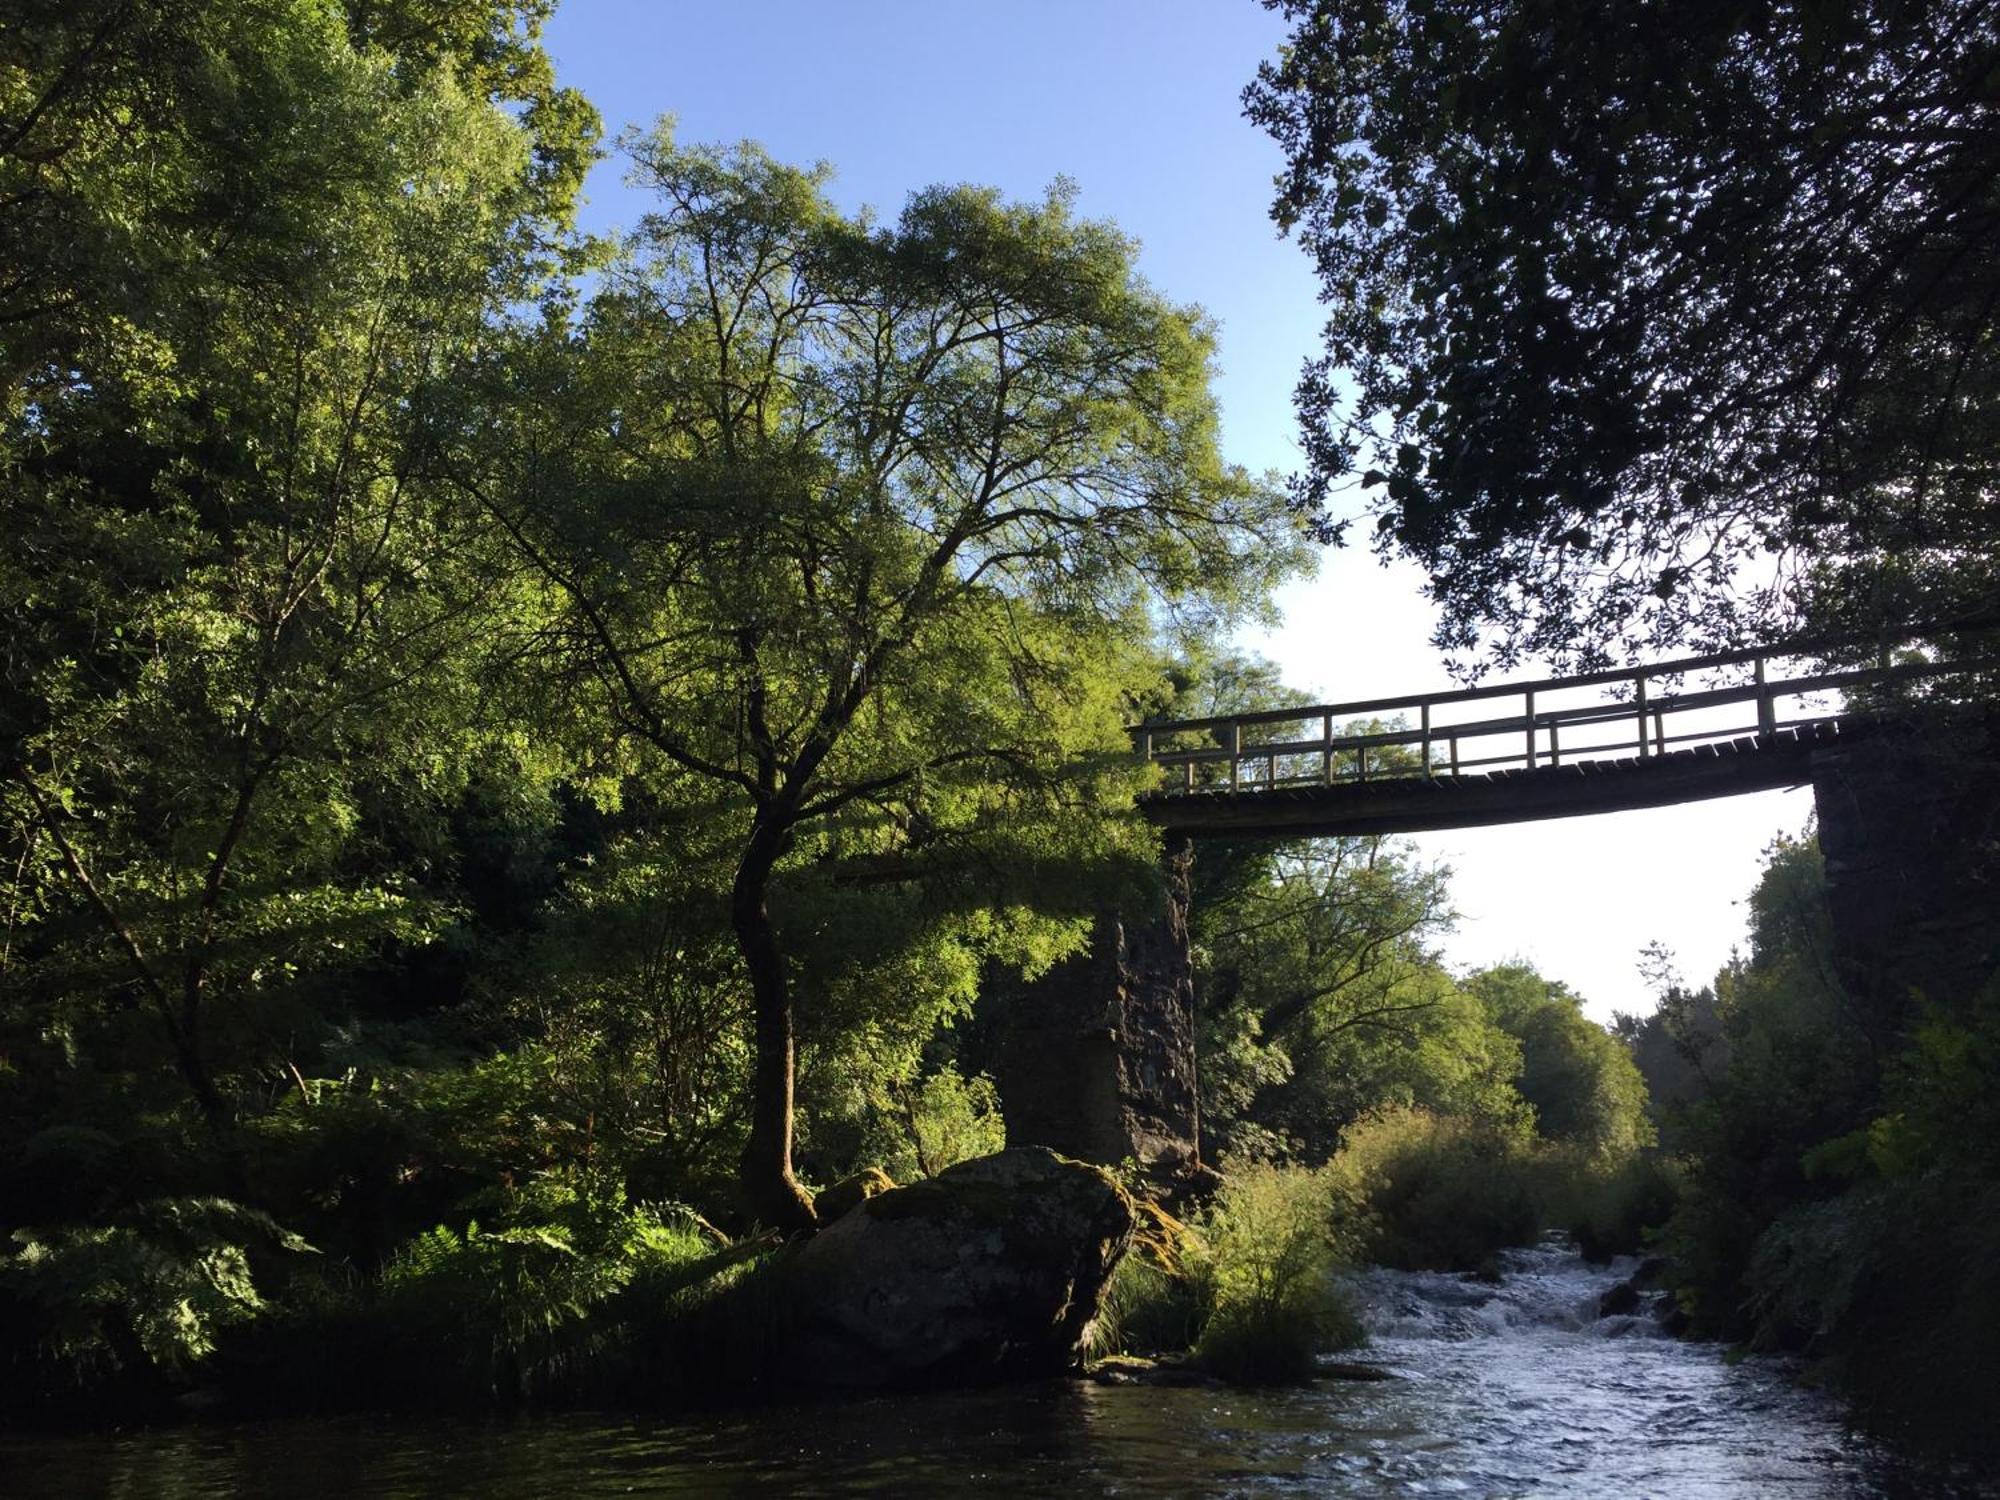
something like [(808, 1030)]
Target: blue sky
[(1136, 101)]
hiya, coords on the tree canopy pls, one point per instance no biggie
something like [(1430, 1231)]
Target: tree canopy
[(867, 529), (247, 248), (1651, 323)]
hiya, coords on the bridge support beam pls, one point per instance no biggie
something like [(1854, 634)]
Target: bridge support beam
[(1909, 824), (1097, 1058)]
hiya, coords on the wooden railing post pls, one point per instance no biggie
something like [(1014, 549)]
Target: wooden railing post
[(1427, 741), (1326, 753), (1235, 756), (1640, 680), (1531, 728), (1767, 710)]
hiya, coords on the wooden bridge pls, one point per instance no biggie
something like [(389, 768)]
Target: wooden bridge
[(1648, 736)]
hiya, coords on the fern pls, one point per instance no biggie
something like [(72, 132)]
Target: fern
[(150, 1290)]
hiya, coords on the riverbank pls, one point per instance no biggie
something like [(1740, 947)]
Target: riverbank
[(1501, 1389)]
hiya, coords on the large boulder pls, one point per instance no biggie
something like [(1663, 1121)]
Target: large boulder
[(991, 1269)]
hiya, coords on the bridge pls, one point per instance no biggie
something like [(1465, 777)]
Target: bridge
[(1645, 736), (1901, 748)]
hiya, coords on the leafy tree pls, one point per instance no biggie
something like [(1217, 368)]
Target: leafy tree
[(247, 245), (1647, 326), (1680, 1048), (1323, 999), (1584, 1086), (860, 529)]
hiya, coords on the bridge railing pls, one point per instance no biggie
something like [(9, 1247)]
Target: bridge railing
[(1632, 712)]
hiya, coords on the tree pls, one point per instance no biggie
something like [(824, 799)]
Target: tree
[(1583, 1085), (1680, 1047), (1650, 325), (861, 532), (246, 244)]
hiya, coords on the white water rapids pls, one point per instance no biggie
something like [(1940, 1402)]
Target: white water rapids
[(1520, 1388)]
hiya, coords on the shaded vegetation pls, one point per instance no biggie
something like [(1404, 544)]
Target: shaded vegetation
[(1841, 1195)]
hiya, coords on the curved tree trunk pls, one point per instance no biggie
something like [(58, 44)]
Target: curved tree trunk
[(773, 1192)]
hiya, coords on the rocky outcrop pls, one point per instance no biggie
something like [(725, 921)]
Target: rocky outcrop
[(991, 1269), (1619, 1301), (848, 1194)]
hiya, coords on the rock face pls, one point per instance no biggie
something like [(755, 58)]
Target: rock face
[(1098, 1060), (991, 1269)]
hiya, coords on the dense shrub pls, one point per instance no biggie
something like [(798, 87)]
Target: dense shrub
[(555, 1302), (137, 1303), (1614, 1206), (1442, 1193), (1892, 1283)]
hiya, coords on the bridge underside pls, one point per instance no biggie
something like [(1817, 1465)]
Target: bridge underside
[(1416, 804)]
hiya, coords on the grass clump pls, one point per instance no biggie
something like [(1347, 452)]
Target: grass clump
[(1152, 1304), (1249, 1285), (1269, 1250)]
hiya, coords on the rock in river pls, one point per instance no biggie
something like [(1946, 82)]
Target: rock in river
[(993, 1268)]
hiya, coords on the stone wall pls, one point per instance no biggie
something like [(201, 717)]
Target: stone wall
[(1097, 1059)]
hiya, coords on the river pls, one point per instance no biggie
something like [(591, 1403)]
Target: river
[(1514, 1389)]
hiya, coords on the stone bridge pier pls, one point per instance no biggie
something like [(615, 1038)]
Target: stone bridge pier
[(1909, 824), (1096, 1059)]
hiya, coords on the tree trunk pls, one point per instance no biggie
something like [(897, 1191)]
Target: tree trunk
[(774, 1194)]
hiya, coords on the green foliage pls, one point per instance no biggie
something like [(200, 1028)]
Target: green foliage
[(146, 1296), (946, 1118), (1153, 1303), (1250, 1284), (1621, 314), (1609, 1206), (1841, 1175), (244, 631), (562, 1299), (1263, 1258), (854, 532), (1444, 1193), (1323, 998), (1583, 1086), (1681, 1050)]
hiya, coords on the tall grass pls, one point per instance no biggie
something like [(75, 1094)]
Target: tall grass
[(1250, 1284), (1269, 1248)]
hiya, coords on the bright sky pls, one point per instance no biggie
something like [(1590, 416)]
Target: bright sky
[(1137, 102)]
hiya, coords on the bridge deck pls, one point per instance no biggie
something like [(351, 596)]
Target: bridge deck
[(1752, 763), (1644, 736)]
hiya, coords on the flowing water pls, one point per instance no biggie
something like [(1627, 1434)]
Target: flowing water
[(1509, 1389)]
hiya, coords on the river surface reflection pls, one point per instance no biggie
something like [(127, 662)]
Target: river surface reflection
[(1508, 1390)]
